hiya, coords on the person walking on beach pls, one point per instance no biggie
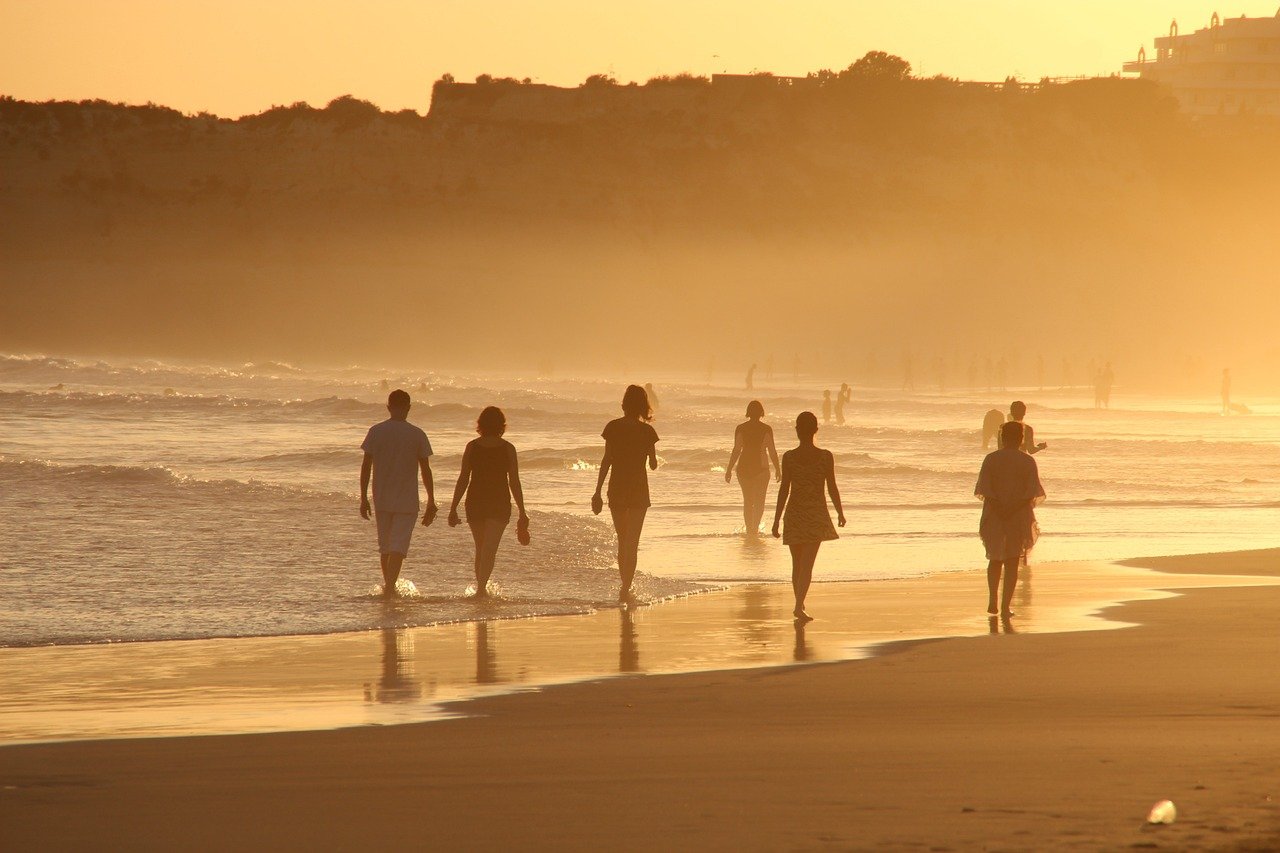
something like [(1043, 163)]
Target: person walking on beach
[(807, 472), (628, 442), (394, 453), (1009, 488), (1018, 412), (490, 478), (753, 449)]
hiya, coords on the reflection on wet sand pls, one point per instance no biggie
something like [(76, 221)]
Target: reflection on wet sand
[(397, 683), (628, 647), (299, 683)]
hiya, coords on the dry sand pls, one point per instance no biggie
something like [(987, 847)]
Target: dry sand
[(1001, 742)]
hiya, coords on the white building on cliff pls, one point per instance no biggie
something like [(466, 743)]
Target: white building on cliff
[(1231, 67)]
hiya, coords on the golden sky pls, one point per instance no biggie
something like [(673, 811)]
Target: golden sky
[(241, 56)]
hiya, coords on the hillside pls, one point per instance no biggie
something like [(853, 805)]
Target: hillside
[(730, 216)]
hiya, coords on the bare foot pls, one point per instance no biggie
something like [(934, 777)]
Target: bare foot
[(991, 610), (801, 616), (1007, 614)]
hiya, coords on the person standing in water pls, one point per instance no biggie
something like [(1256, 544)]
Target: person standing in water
[(845, 395), (1018, 412), (628, 442), (490, 478), (753, 449), (394, 452), (826, 406), (807, 471), (1009, 488), (653, 397), (751, 378)]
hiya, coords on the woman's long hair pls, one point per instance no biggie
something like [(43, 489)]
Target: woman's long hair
[(635, 403)]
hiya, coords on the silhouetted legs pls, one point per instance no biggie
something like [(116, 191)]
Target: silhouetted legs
[(628, 522), (1009, 570), (803, 555), (391, 572), (754, 492), (487, 533)]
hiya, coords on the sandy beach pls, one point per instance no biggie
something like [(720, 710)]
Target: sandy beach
[(1001, 742)]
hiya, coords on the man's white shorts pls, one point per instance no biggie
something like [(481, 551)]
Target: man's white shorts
[(395, 529)]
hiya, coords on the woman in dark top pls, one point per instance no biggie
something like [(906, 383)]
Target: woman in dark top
[(490, 477), (628, 442), (808, 474), (752, 450)]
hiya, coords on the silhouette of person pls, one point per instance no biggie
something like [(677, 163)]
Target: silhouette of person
[(845, 395), (490, 478), (991, 423), (1018, 412), (768, 368), (808, 475), (1002, 373), (1107, 379), (751, 378), (908, 373), (826, 406), (628, 442), (394, 453), (1009, 487), (753, 449), (973, 373), (1226, 391)]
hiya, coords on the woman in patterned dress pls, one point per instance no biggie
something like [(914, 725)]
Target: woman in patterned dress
[(806, 472)]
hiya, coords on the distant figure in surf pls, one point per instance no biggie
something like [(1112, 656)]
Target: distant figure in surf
[(751, 378), (753, 449), (768, 368), (826, 406), (628, 442), (1009, 488), (395, 451), (653, 397), (1018, 412), (908, 373), (385, 385), (1226, 391), (808, 475), (490, 478), (845, 395), (991, 423)]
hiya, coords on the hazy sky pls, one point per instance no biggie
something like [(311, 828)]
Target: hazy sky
[(240, 56)]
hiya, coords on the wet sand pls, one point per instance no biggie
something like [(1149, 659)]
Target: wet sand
[(1007, 741)]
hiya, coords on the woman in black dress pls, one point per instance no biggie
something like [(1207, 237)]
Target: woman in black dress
[(490, 477), (753, 449), (1009, 488), (628, 442)]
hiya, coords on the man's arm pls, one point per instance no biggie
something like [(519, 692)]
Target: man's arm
[(429, 482), (366, 468)]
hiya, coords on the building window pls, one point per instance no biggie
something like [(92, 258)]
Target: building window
[(1220, 47)]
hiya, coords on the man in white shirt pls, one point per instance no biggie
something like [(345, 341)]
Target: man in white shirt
[(394, 452)]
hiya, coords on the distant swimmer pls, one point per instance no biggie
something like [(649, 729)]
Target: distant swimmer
[(628, 442), (385, 384), (394, 453), (1226, 391), (826, 406), (808, 475), (1009, 487), (753, 450), (490, 478), (845, 395), (751, 378), (1018, 412), (422, 387), (653, 396), (991, 423)]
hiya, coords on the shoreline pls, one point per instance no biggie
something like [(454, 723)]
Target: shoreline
[(1017, 742), (405, 675)]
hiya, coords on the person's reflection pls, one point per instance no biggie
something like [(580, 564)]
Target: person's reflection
[(1000, 625), (628, 647), (758, 617), (486, 656), (1023, 595), (397, 683), (802, 650)]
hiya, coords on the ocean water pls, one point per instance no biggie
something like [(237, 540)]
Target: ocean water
[(148, 500)]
